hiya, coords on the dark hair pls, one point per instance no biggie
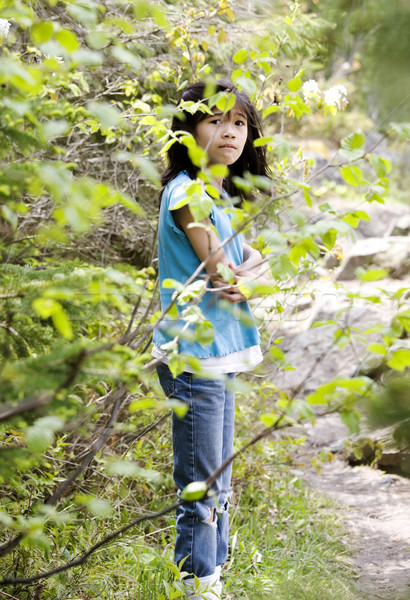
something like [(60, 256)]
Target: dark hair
[(252, 159)]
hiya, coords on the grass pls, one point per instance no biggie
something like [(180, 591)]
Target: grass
[(286, 543)]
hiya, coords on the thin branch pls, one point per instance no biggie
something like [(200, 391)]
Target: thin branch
[(84, 557), (8, 546), (29, 404), (96, 447), (108, 538)]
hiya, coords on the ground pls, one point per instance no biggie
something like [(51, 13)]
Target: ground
[(374, 508)]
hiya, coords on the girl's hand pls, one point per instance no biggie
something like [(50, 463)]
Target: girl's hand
[(251, 275), (228, 291)]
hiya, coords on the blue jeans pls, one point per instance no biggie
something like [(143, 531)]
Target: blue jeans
[(202, 440)]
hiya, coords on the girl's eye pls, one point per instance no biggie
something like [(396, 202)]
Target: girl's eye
[(240, 123), (216, 121)]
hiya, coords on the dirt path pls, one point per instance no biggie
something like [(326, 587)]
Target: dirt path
[(375, 509)]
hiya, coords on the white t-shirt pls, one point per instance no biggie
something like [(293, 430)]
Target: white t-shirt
[(237, 362)]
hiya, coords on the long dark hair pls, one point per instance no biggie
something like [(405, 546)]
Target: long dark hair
[(252, 159)]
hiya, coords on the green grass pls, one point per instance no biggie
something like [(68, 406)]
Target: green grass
[(286, 543)]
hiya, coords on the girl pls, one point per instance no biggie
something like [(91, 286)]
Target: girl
[(203, 438)]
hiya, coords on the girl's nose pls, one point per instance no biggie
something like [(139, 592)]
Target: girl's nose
[(229, 130)]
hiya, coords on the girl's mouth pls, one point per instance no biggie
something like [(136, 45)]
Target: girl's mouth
[(228, 146)]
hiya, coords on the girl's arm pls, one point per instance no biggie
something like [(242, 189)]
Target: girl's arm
[(252, 267), (205, 241), (252, 259)]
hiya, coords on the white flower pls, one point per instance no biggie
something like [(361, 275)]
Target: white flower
[(59, 59), (4, 29), (310, 89), (336, 96)]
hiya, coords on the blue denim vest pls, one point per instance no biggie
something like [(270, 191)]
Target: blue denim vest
[(234, 326)]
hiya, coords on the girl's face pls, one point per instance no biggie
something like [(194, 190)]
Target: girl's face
[(223, 136)]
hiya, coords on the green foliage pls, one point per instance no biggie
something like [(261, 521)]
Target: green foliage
[(86, 94)]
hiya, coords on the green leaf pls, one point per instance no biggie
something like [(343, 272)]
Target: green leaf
[(245, 82), (381, 166), (100, 508), (404, 319), (269, 110), (86, 15), (200, 206), (149, 170), (196, 490), (97, 39), (352, 175), (68, 40), (10, 216), (226, 273), (269, 419), (402, 130), (106, 114), (204, 333), (294, 84), (55, 128), (42, 32), (62, 323), (176, 364), (329, 238), (399, 360), (197, 155), (370, 274), (351, 418), (226, 103), (353, 146), (351, 219), (48, 307), (126, 57), (240, 56), (282, 147), (307, 197), (40, 435), (263, 141), (219, 170), (129, 469), (377, 349)]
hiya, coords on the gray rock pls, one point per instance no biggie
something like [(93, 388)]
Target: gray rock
[(391, 253)]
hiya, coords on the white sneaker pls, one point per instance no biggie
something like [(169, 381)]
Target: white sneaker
[(204, 588)]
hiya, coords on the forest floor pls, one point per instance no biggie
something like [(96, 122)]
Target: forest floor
[(374, 508)]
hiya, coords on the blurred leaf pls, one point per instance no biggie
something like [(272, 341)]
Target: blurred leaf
[(40, 435), (42, 32), (370, 274), (399, 360), (352, 175), (107, 115), (353, 146), (204, 333), (68, 40), (194, 491), (240, 56), (294, 84)]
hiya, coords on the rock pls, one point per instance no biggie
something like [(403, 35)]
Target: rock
[(382, 446), (382, 220), (402, 226), (391, 253)]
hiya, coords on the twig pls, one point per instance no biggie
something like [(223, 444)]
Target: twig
[(7, 547), (29, 404), (108, 538), (96, 447), (84, 557)]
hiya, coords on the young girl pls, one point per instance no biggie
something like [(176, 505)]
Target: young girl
[(203, 438)]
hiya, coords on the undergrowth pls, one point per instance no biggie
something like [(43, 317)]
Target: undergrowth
[(286, 544)]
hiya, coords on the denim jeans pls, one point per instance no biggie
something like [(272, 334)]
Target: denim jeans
[(202, 440)]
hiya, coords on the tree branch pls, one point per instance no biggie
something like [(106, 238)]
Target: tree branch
[(96, 447)]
